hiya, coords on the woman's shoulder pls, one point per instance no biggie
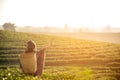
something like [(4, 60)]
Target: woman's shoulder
[(27, 54)]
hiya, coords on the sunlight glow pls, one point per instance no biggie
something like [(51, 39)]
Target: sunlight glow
[(90, 13)]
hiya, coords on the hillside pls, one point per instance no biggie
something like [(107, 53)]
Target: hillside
[(110, 37), (102, 57)]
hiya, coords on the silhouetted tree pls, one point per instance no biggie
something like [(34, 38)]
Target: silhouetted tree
[(9, 26)]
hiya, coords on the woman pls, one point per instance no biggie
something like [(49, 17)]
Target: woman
[(32, 62)]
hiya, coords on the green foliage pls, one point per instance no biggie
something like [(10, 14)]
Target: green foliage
[(49, 74), (107, 78), (64, 52), (14, 74), (9, 26)]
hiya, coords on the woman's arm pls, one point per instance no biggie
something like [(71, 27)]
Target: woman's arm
[(40, 62)]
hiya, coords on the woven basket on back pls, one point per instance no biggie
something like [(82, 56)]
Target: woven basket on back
[(28, 62)]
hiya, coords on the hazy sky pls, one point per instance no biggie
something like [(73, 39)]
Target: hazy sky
[(92, 13)]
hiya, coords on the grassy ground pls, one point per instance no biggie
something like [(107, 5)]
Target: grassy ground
[(50, 73), (101, 59)]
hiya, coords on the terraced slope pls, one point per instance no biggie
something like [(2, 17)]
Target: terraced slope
[(103, 58)]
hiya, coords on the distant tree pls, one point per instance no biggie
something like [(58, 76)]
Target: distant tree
[(108, 29), (80, 30), (9, 26), (66, 28), (84, 29)]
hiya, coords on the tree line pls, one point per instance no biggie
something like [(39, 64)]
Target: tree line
[(9, 26)]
